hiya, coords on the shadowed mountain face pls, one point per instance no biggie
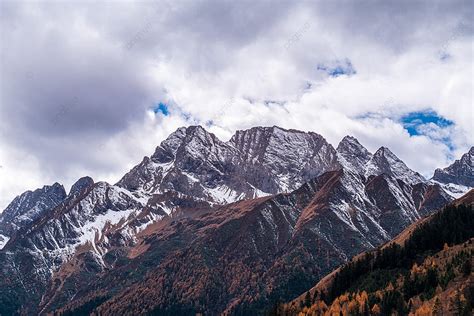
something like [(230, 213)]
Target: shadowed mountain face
[(212, 226)]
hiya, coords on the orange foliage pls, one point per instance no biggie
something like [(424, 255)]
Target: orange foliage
[(376, 309), (424, 310)]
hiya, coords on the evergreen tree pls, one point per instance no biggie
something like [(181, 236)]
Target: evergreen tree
[(323, 297), (466, 267), (315, 296), (307, 299)]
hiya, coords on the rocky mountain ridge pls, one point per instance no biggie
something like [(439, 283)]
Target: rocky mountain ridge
[(343, 200), (256, 162)]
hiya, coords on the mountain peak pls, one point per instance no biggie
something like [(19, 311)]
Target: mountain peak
[(386, 154), (80, 185), (273, 130), (350, 139), (384, 161), (468, 159), (384, 151), (183, 136), (172, 142), (350, 143), (289, 157), (259, 130), (186, 134), (196, 130), (198, 141), (352, 154)]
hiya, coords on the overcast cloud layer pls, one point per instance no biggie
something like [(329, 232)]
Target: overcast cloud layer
[(79, 82)]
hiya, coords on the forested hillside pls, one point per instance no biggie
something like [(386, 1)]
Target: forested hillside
[(429, 274)]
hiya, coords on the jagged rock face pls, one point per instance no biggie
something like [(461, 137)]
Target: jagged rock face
[(255, 162), (28, 207), (277, 160), (461, 172), (81, 219)]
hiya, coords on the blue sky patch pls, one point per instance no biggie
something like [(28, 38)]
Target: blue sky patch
[(429, 124), (426, 123), (414, 120), (338, 68), (161, 108)]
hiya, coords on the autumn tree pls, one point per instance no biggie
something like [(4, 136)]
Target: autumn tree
[(376, 309), (423, 310)]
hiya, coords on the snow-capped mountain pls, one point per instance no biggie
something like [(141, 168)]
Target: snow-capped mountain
[(457, 178), (256, 162), (28, 207), (291, 194), (353, 156), (277, 160), (91, 220)]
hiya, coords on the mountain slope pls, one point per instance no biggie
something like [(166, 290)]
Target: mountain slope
[(427, 269)]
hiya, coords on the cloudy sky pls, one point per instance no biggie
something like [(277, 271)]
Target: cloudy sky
[(90, 88)]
